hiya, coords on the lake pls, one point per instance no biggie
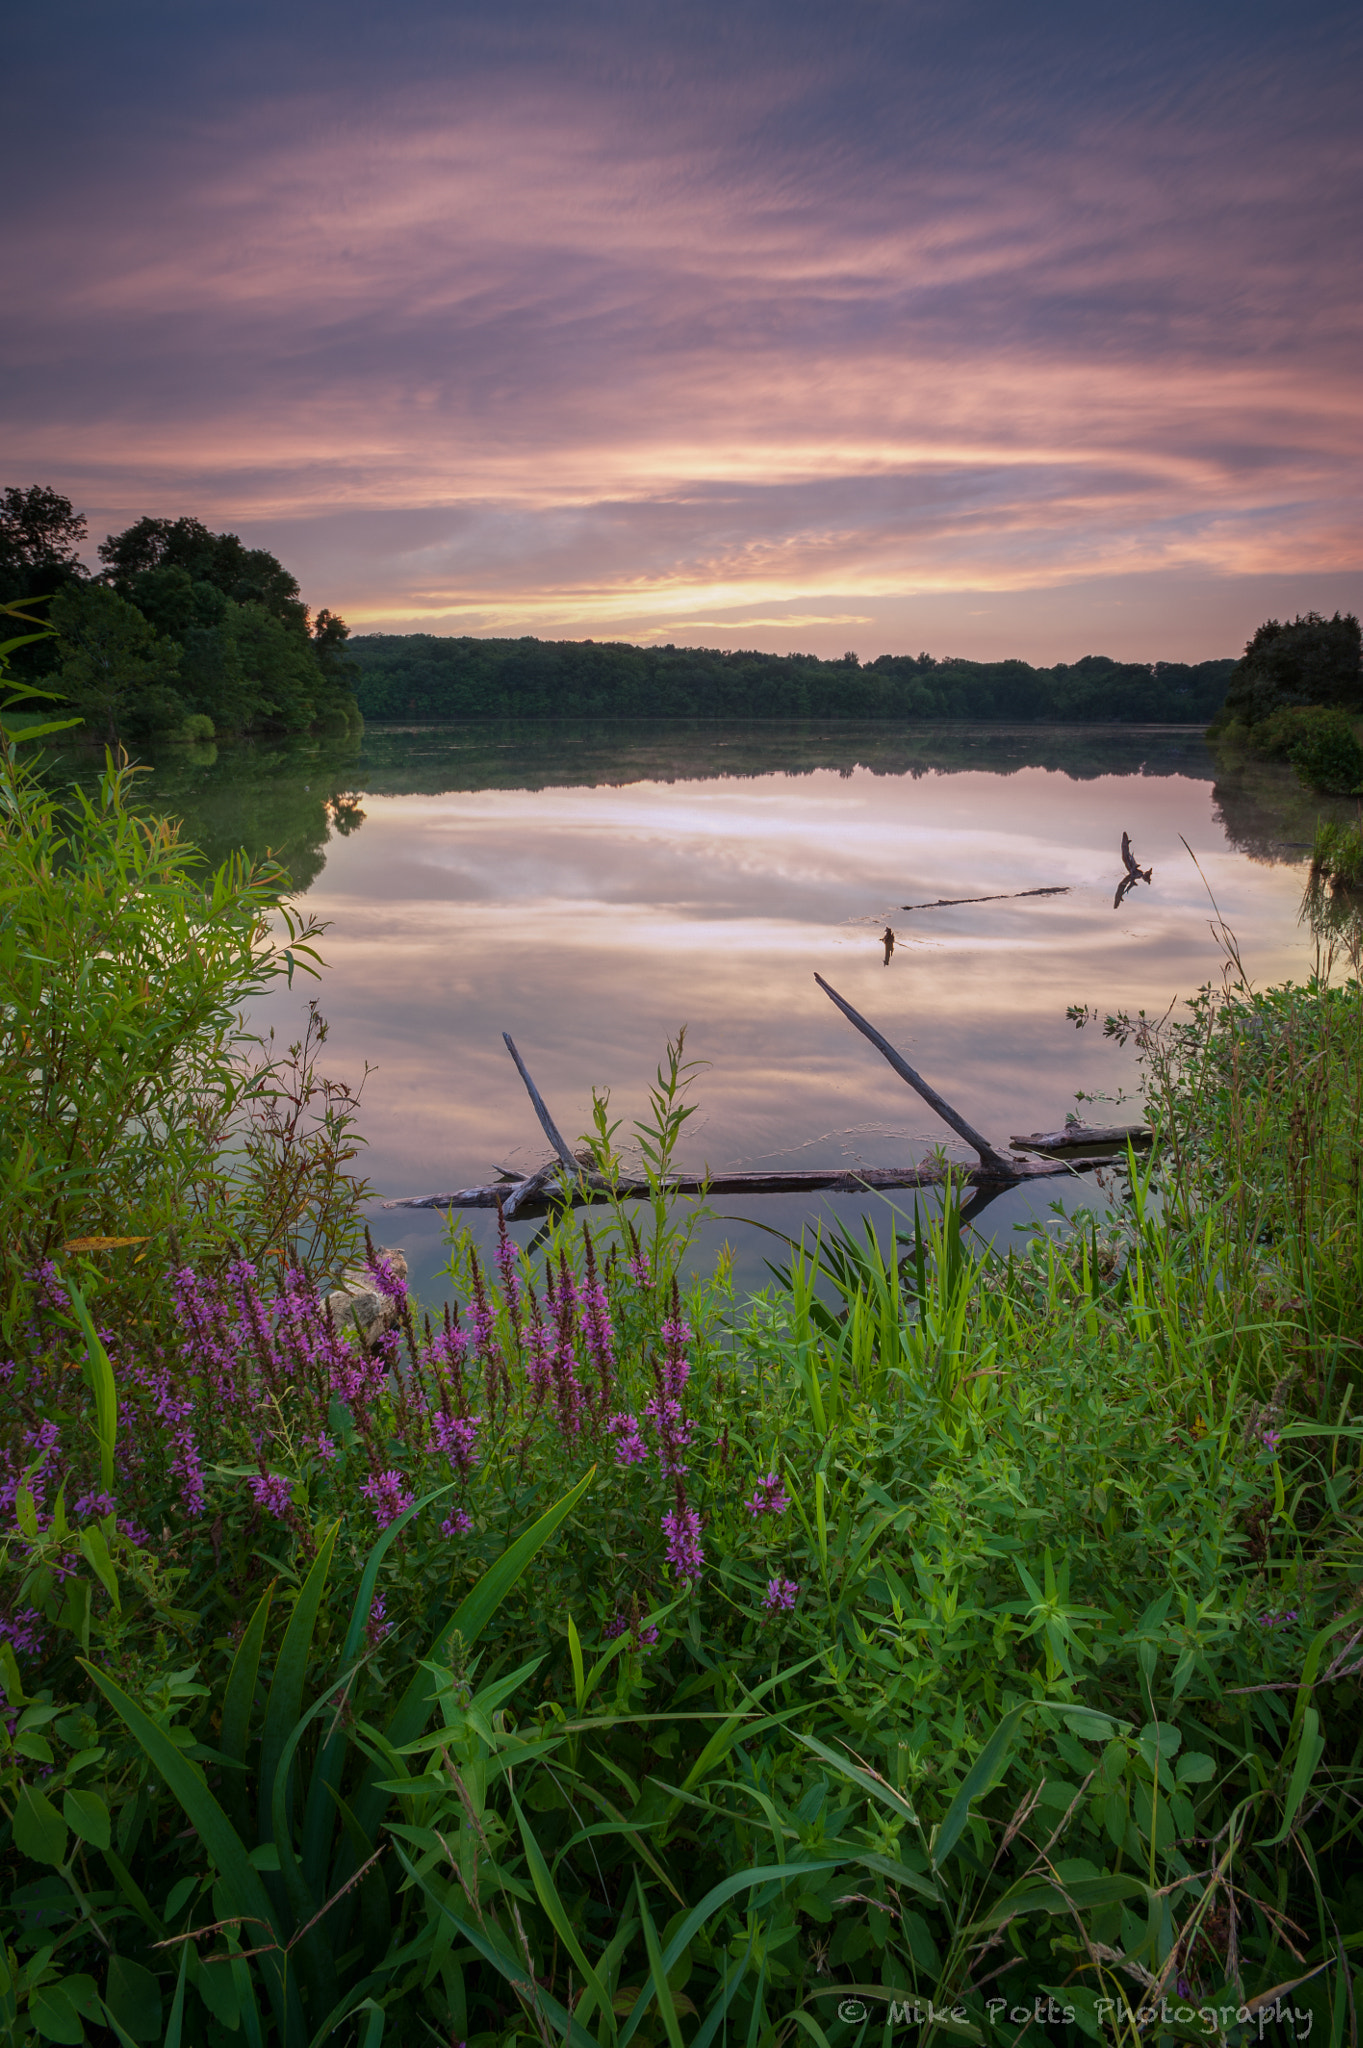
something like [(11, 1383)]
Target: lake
[(592, 889)]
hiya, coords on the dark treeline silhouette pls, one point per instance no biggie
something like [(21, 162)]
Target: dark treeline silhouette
[(421, 676), (183, 634)]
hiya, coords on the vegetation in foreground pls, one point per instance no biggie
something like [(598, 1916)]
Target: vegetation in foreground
[(615, 1661)]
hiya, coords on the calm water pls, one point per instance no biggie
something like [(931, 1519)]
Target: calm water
[(592, 890)]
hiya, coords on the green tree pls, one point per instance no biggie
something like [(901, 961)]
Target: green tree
[(279, 665), (1306, 660), (247, 575), (116, 671)]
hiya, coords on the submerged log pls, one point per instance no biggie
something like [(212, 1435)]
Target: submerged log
[(545, 1190), (1089, 1138)]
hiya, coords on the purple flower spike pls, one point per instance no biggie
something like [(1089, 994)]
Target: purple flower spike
[(271, 1492), (769, 1497), (457, 1524), (780, 1595), (681, 1526), (387, 1496), (630, 1448), (457, 1437)]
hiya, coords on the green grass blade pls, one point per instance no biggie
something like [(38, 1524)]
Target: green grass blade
[(241, 1683), (662, 1990), (719, 1895), (100, 1374), (286, 1687), (246, 1894), (557, 1917), (533, 1996), (319, 1814), (177, 2010), (977, 1781)]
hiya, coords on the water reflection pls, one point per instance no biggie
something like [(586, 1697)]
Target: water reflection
[(591, 888)]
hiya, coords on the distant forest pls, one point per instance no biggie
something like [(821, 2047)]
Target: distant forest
[(421, 676)]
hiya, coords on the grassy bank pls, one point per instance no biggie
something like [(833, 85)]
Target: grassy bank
[(622, 1662)]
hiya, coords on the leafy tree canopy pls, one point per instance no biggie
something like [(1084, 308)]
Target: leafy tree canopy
[(1306, 660), (249, 575), (184, 631)]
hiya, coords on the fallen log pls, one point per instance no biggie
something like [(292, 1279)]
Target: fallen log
[(546, 1190), (1085, 1138)]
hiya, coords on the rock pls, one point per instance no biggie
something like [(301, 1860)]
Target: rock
[(357, 1303)]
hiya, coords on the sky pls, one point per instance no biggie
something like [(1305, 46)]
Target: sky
[(881, 325)]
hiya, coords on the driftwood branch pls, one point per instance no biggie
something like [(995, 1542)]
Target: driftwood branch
[(1002, 1167), (1089, 1138), (547, 1124), (545, 1190), (1009, 896)]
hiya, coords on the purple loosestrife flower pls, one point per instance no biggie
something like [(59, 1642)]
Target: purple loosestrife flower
[(388, 1497), (24, 1633), (769, 1497), (253, 1332), (508, 1261), (378, 1625), (456, 1524), (681, 1526), (50, 1290), (780, 1596), (640, 1271), (1270, 1440), (567, 1390), (676, 1335), (673, 1433), (483, 1317), (630, 1448), (93, 1507), (539, 1344), (386, 1278), (209, 1349), (596, 1322), (617, 1627), (457, 1437), (271, 1491), (324, 1447)]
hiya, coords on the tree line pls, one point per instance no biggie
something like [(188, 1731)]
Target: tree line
[(418, 675), (182, 634)]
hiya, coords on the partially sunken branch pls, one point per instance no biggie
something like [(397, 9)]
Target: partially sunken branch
[(989, 1158)]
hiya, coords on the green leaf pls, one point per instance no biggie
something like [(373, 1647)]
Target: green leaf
[(133, 1996), (241, 1885), (982, 1774), (1310, 1750), (719, 1895), (95, 1551), (558, 1918), (286, 1687), (241, 1682), (1086, 1894), (54, 2015), (662, 1990), (469, 1620), (319, 1812), (39, 1830), (100, 1374), (88, 1817)]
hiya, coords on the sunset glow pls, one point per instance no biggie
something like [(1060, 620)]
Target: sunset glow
[(931, 327)]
